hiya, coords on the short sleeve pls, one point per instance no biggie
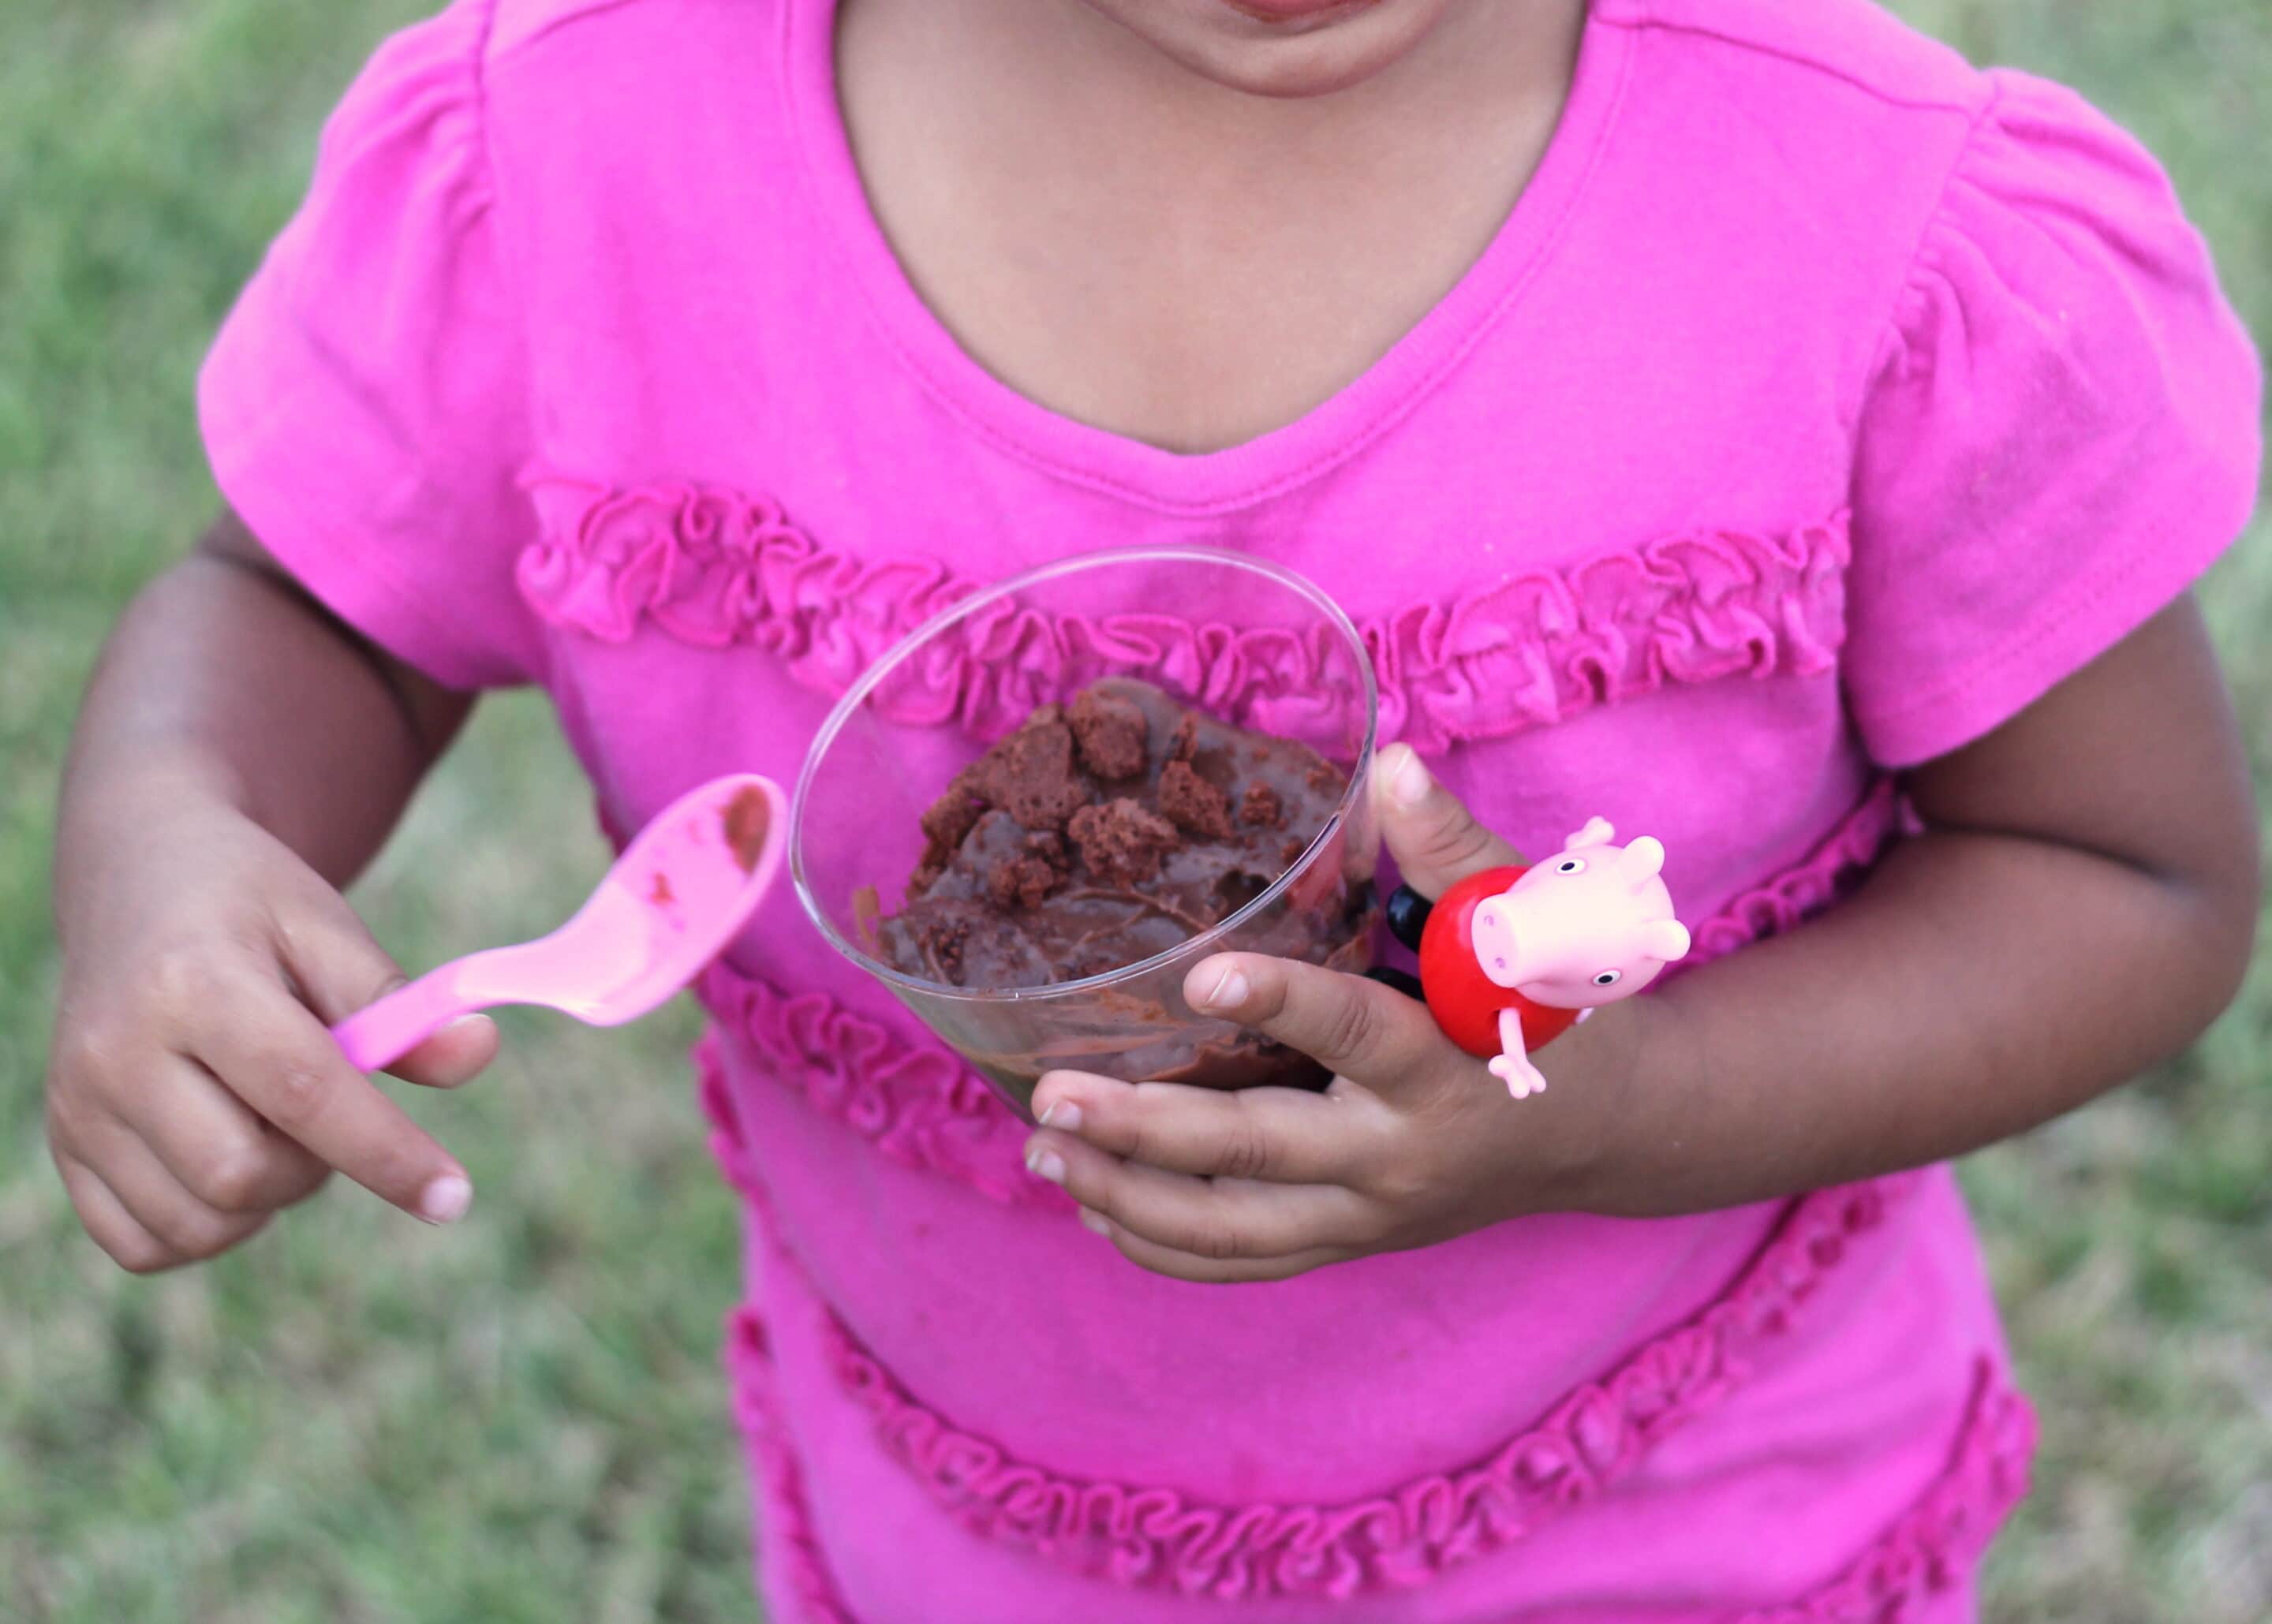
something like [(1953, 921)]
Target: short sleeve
[(2063, 433), (365, 406)]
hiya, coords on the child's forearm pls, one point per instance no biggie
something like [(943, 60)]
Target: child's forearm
[(1979, 985), (240, 755), (225, 685), (2075, 914)]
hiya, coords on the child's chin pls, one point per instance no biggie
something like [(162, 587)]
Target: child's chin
[(1266, 48)]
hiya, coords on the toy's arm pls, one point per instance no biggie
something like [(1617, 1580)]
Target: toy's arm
[(1513, 1066)]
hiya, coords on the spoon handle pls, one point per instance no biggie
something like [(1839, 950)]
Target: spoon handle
[(378, 1035)]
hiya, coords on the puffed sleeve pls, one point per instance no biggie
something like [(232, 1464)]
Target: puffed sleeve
[(2062, 434), (365, 406)]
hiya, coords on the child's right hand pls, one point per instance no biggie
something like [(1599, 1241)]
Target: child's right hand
[(194, 1089)]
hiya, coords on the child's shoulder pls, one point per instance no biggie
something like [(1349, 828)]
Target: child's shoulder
[(496, 31), (1879, 137), (578, 89), (1853, 43)]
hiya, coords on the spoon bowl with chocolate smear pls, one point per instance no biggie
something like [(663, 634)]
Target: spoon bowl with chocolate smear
[(1031, 817), (664, 910)]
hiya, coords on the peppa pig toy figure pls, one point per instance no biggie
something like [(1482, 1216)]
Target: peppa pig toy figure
[(1512, 957)]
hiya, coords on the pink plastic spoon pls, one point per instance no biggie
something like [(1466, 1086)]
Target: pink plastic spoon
[(669, 907)]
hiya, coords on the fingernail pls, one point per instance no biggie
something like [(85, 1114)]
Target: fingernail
[(1095, 1222), (1046, 1165), (1065, 1116), (1229, 992), (1409, 784), (444, 1201)]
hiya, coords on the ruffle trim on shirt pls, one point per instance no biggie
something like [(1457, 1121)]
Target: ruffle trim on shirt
[(1157, 1538), (1828, 874), (718, 570), (1545, 645), (1934, 1544), (749, 1363), (911, 1097), (923, 1108)]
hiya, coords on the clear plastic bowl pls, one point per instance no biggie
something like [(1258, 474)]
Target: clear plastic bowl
[(1241, 640)]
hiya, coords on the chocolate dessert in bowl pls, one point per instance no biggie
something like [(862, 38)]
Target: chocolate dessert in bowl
[(1035, 813)]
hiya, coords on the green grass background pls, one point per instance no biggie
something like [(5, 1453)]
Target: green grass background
[(360, 1419)]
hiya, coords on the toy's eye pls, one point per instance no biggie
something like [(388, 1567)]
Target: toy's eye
[(1608, 978), (1570, 864)]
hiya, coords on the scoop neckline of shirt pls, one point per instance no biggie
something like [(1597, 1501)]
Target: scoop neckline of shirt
[(1251, 470)]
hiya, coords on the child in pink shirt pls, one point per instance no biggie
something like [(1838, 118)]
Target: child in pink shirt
[(1743, 421)]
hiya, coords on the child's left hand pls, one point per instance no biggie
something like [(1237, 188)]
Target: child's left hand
[(1868, 1043), (1414, 1142)]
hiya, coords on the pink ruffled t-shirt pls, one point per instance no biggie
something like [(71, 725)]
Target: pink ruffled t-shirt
[(1822, 402)]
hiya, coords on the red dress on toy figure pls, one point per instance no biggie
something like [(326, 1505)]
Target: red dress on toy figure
[(1465, 1001)]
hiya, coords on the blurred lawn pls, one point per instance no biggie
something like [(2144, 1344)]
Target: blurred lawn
[(363, 1419)]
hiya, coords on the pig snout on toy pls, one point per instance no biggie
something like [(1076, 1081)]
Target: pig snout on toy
[(1587, 928)]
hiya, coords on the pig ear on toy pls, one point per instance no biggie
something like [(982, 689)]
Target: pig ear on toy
[(1597, 832), (1643, 859), (1666, 940)]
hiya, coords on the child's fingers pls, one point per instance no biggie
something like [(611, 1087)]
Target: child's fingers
[(108, 1222), (457, 1054), (1208, 1270), (1278, 1136), (211, 1145), (1433, 837), (340, 969), (188, 1226), (1355, 1027), (1221, 1219), (272, 1053)]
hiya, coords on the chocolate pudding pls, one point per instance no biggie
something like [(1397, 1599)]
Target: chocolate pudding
[(1120, 826)]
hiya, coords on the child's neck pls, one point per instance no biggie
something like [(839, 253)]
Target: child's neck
[(1145, 249)]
